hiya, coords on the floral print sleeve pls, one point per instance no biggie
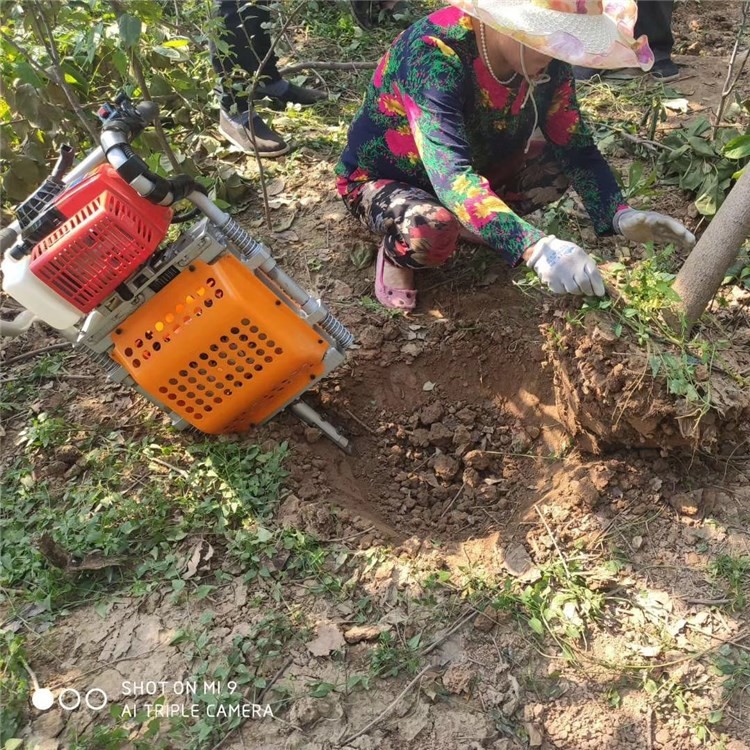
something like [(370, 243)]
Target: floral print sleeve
[(433, 104), (574, 149)]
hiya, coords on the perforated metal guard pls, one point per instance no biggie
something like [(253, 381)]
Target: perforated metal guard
[(217, 347)]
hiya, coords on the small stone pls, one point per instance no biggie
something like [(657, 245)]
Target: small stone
[(457, 678), (420, 438), (471, 477), (305, 711), (340, 290), (517, 560), (466, 416), (535, 735), (687, 503), (370, 337), (440, 435), (461, 436), (312, 434), (663, 737), (533, 432), (478, 460), (412, 349), (360, 633), (485, 620), (446, 467), (431, 413)]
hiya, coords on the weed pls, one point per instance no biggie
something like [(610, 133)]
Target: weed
[(374, 306), (390, 657), (703, 163), (44, 432), (15, 685), (561, 604), (734, 573), (228, 487), (644, 295), (734, 665)]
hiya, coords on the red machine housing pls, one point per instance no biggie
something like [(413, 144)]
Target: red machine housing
[(108, 231)]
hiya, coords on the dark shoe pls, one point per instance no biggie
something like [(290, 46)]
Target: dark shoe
[(586, 74), (623, 74), (292, 94), (237, 131), (665, 70), (365, 12), (368, 13)]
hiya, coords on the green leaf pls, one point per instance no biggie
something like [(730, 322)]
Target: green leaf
[(263, 535), (715, 716), (738, 148), (130, 30), (172, 53), (322, 689), (536, 625), (13, 744), (702, 147), (179, 637), (27, 74), (178, 586), (203, 591)]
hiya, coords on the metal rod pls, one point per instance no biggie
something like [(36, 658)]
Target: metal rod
[(308, 415)]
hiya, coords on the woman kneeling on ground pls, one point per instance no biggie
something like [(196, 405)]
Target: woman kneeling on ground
[(446, 142)]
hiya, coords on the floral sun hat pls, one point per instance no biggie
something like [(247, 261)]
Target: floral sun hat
[(590, 33)]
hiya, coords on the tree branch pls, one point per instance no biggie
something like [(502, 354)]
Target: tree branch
[(135, 64), (49, 42), (322, 65), (251, 111)]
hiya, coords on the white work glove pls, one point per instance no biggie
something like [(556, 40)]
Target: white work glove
[(565, 267), (649, 226)]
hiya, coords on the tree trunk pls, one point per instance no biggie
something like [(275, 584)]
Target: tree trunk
[(702, 273)]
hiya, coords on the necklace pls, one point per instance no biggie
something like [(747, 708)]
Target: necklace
[(485, 54)]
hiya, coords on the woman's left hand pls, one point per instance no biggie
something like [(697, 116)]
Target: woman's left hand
[(649, 226)]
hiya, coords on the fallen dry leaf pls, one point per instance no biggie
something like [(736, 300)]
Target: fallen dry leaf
[(328, 639)]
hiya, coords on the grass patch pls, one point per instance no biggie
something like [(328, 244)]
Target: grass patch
[(119, 505)]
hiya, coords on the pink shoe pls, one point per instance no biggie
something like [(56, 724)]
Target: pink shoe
[(394, 299)]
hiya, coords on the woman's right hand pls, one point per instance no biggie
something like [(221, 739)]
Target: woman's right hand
[(564, 267)]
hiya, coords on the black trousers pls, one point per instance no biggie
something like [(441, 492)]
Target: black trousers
[(248, 44), (655, 21)]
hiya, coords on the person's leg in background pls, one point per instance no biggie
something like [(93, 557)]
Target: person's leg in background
[(367, 13), (655, 21), (247, 43)]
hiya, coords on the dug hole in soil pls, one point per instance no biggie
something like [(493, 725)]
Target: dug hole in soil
[(464, 416)]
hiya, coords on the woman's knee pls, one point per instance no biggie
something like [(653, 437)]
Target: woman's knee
[(431, 232)]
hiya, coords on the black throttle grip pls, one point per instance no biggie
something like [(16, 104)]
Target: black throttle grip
[(8, 237)]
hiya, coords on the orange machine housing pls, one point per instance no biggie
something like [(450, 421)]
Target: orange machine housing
[(219, 348)]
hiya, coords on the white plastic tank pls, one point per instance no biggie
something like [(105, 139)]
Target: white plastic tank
[(28, 290)]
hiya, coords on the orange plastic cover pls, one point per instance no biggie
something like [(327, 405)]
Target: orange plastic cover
[(217, 347)]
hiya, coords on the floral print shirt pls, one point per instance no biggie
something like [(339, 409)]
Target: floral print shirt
[(434, 117)]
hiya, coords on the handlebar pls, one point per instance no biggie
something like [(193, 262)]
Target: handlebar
[(121, 123)]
